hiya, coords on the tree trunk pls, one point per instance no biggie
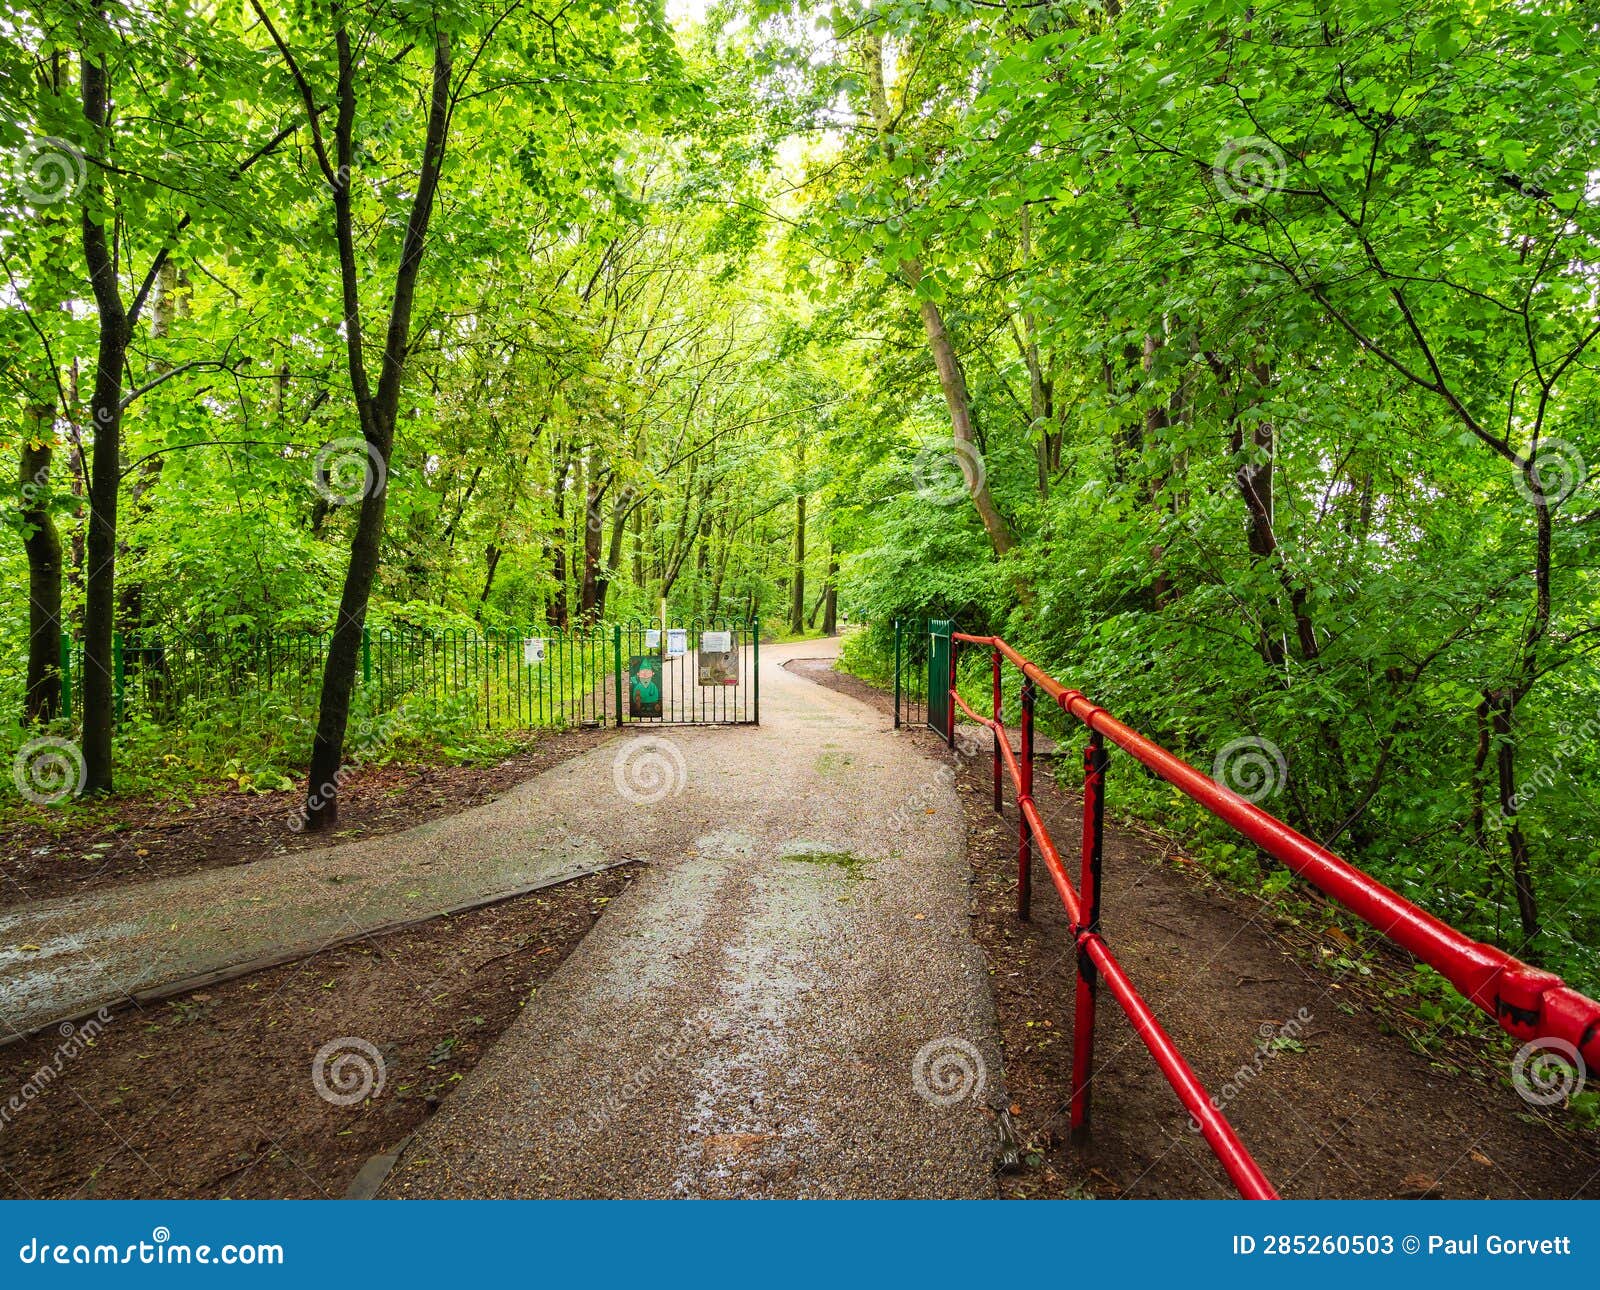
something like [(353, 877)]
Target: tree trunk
[(492, 556), (797, 604), (105, 461), (952, 380), (379, 412), (621, 507), (163, 312), (830, 600), (1516, 841), (42, 699)]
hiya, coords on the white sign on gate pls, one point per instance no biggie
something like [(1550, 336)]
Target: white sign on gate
[(533, 650), (716, 642), (677, 642)]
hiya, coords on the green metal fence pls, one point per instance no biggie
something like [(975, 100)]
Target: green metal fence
[(910, 671), (490, 680)]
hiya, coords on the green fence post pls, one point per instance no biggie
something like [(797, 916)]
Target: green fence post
[(366, 656), (66, 676), (117, 675), (616, 637), (897, 674)]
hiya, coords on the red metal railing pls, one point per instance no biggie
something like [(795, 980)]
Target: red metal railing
[(1525, 1001)]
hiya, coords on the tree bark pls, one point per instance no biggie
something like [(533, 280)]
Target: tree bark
[(378, 410), (105, 464), (952, 380), (1504, 704), (42, 698), (591, 595), (797, 602)]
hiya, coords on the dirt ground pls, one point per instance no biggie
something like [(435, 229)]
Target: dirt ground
[(1347, 1107), (144, 840), (214, 1094)]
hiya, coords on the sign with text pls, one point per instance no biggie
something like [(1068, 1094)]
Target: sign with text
[(677, 642), (533, 650)]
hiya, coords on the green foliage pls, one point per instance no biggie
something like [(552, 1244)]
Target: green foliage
[(1272, 333)]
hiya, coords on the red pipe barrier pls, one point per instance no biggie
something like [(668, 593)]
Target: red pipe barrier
[(1525, 1001), (1025, 789), (1094, 814), (1094, 955)]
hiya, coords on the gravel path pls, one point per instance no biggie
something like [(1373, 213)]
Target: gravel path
[(787, 1003)]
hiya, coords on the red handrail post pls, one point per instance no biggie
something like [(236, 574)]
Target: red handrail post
[(997, 803), (1025, 790), (950, 714), (1094, 815)]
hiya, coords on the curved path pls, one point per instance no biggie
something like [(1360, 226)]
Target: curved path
[(747, 1020), (744, 1021)]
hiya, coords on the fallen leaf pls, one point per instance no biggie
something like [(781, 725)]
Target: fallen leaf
[(1419, 1187)]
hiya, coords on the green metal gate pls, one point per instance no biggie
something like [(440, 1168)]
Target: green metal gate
[(941, 713), (707, 673)]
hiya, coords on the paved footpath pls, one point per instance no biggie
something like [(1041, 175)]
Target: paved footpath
[(66, 957), (747, 1019)]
